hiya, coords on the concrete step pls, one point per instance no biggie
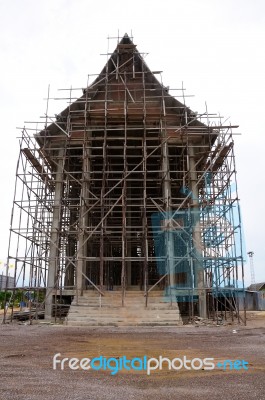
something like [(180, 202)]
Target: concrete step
[(132, 293), (112, 322), (95, 310), (125, 314)]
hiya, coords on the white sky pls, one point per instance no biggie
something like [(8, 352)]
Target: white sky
[(215, 46)]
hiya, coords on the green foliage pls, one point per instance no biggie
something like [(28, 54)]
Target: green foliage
[(4, 296), (20, 296)]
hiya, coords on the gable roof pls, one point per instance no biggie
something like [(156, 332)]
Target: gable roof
[(126, 82), (257, 286)]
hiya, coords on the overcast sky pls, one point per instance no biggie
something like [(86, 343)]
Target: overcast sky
[(216, 47)]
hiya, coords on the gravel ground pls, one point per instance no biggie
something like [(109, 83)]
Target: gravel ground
[(26, 371)]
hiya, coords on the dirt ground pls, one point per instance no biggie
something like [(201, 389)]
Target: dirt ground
[(26, 370)]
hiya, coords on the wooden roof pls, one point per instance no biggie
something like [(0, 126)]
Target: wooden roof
[(126, 90)]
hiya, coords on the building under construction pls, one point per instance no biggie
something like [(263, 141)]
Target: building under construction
[(128, 194)]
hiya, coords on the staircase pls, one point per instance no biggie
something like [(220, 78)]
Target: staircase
[(95, 310)]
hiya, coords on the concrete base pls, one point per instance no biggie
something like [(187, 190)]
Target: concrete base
[(95, 310)]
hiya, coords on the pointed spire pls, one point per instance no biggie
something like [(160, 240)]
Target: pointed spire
[(126, 39)]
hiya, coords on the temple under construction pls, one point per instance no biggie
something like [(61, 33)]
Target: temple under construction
[(127, 200)]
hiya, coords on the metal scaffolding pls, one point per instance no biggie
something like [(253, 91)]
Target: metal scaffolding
[(127, 187)]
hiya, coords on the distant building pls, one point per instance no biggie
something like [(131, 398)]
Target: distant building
[(256, 287), (254, 298), (6, 282)]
